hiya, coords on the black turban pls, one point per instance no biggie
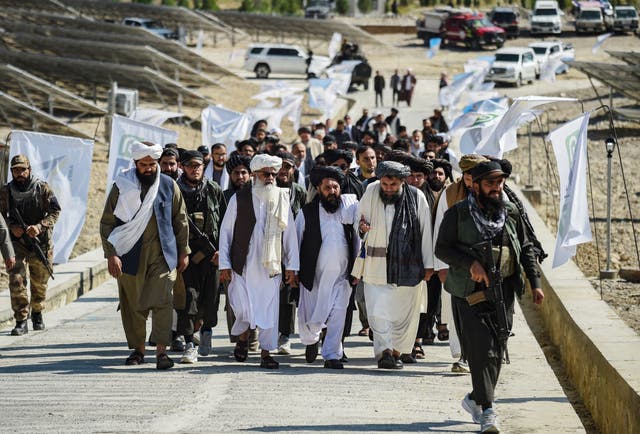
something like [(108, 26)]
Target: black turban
[(444, 164), (238, 160), (420, 165), (392, 169), (318, 173), (189, 155), (333, 155)]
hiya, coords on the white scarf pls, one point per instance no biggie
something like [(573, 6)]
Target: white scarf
[(131, 210), (277, 202)]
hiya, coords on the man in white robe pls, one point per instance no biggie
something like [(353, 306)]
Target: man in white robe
[(257, 238), (397, 254), (328, 245)]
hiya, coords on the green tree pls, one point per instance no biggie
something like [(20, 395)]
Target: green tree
[(365, 6), (209, 5), (342, 6), (143, 1), (186, 3), (169, 2)]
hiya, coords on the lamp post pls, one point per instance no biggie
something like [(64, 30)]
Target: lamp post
[(608, 273)]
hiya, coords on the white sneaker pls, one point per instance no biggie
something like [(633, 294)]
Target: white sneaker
[(204, 349), (460, 367), (472, 408), (489, 421), (284, 346), (190, 354)]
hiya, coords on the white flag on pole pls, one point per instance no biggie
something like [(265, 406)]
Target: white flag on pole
[(124, 132), (599, 41), (570, 146), (153, 116), (220, 125), (65, 164)]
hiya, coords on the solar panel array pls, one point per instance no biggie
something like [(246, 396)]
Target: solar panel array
[(623, 78), (630, 57)]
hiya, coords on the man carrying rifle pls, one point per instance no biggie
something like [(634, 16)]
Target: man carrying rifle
[(30, 209), (205, 208), (484, 242)]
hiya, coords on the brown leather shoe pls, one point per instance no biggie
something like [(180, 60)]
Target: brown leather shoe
[(163, 362), (135, 358), (268, 362)]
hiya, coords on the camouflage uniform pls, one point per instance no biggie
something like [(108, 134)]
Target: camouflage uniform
[(37, 206)]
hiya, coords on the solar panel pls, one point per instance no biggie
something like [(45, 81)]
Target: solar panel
[(631, 57), (624, 78)]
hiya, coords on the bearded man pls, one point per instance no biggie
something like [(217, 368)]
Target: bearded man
[(169, 163), (205, 208), (38, 206), (239, 174), (328, 246), (483, 217), (257, 237), (215, 169), (398, 255), (145, 209)]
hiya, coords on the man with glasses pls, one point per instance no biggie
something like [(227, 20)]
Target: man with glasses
[(257, 237), (205, 207), (216, 171)]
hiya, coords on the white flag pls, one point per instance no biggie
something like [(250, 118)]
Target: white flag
[(124, 132), (220, 125), (570, 146), (335, 44), (599, 41), (503, 138), (65, 164), (153, 116)]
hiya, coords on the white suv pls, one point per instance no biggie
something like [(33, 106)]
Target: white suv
[(264, 59), (514, 65)]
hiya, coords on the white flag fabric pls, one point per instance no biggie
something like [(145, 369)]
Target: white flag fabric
[(503, 138), (124, 132), (292, 107), (570, 146), (65, 164), (273, 116), (153, 116), (599, 41), (434, 47), (335, 44), (220, 125)]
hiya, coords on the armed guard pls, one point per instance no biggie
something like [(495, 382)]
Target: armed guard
[(483, 293), (31, 209)]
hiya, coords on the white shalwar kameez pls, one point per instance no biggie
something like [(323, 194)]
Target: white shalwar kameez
[(254, 296), (394, 311), (326, 304)]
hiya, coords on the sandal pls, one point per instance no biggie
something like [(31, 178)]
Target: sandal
[(269, 362), (364, 332), (418, 352), (443, 332), (241, 351), (135, 358)]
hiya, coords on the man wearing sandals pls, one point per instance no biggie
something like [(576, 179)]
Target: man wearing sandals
[(257, 237), (145, 237), (395, 223), (484, 220)]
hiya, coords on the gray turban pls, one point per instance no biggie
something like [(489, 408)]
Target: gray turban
[(392, 169)]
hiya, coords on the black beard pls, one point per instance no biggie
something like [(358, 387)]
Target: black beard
[(435, 184), (172, 174), (146, 180), (283, 184), (22, 185), (330, 203), (490, 206), (390, 200)]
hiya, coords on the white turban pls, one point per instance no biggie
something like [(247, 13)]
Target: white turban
[(260, 161), (139, 150)]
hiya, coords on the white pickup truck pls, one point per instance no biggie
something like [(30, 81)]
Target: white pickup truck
[(553, 51)]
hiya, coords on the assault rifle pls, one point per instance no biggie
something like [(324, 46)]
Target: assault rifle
[(32, 243), (493, 294), (537, 246), (202, 246)]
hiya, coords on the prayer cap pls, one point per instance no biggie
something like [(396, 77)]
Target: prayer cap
[(261, 161), (487, 170), (469, 161), (392, 169), (140, 150), (238, 160), (191, 155), (333, 155), (318, 173)]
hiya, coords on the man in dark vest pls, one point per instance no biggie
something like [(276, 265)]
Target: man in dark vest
[(257, 237), (145, 238), (484, 217), (328, 246), (205, 208)]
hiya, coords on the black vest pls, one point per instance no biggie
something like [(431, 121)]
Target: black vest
[(312, 241), (242, 229)]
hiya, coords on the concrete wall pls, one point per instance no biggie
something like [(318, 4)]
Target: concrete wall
[(600, 353)]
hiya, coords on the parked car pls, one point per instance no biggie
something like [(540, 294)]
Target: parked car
[(507, 20), (264, 59), (625, 19), (153, 26), (318, 9), (432, 23), (514, 65), (592, 19), (546, 51), (546, 18), (472, 30)]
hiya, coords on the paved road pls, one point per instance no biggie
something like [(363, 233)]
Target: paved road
[(71, 378)]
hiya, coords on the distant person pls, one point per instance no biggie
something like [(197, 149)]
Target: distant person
[(378, 87), (395, 85), (394, 8), (308, 61), (408, 85)]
